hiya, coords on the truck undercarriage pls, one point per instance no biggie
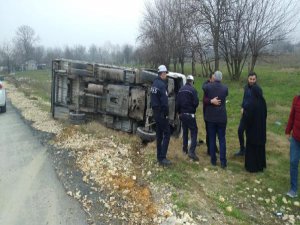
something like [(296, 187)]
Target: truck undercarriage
[(117, 97)]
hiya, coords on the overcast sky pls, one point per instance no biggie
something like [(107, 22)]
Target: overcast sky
[(70, 22)]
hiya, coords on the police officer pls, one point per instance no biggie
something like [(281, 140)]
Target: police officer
[(186, 104), (159, 103)]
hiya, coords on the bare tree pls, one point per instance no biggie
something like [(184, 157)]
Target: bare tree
[(127, 52), (204, 54), (272, 21), (210, 14), (202, 50), (180, 33), (157, 31), (25, 41), (53, 53), (100, 55), (93, 51), (39, 54), (6, 52), (68, 53), (233, 40), (139, 56), (79, 52)]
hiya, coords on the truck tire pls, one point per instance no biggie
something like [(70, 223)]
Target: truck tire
[(145, 135), (77, 118)]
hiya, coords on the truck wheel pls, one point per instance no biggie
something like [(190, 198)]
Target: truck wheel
[(146, 136), (77, 118)]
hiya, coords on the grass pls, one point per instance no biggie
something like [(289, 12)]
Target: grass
[(180, 201), (194, 182), (35, 83), (176, 176)]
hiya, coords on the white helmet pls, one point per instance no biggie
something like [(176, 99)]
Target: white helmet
[(190, 77), (162, 68)]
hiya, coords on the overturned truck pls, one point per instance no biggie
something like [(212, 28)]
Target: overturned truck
[(117, 97)]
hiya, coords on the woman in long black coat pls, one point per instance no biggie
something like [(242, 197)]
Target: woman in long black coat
[(255, 117)]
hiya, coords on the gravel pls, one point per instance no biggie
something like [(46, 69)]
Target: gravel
[(98, 172)]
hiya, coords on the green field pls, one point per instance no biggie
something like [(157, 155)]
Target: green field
[(35, 83), (188, 181)]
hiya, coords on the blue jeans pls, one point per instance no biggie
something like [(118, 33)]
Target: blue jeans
[(215, 129), (189, 123), (294, 162)]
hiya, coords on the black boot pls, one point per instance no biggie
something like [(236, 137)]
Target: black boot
[(185, 151), (240, 152), (193, 156)]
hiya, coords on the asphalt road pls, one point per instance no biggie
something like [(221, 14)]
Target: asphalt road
[(30, 192)]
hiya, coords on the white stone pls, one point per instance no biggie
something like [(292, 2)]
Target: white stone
[(285, 217), (229, 209), (284, 200), (296, 203), (221, 199)]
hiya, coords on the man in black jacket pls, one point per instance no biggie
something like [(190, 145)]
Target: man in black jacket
[(160, 107), (252, 77), (207, 101), (187, 102), (216, 117)]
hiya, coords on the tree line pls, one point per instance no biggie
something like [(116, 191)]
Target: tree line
[(174, 32), (207, 31), (25, 46)]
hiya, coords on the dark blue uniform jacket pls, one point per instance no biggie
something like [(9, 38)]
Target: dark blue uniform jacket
[(159, 96), (187, 99)]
